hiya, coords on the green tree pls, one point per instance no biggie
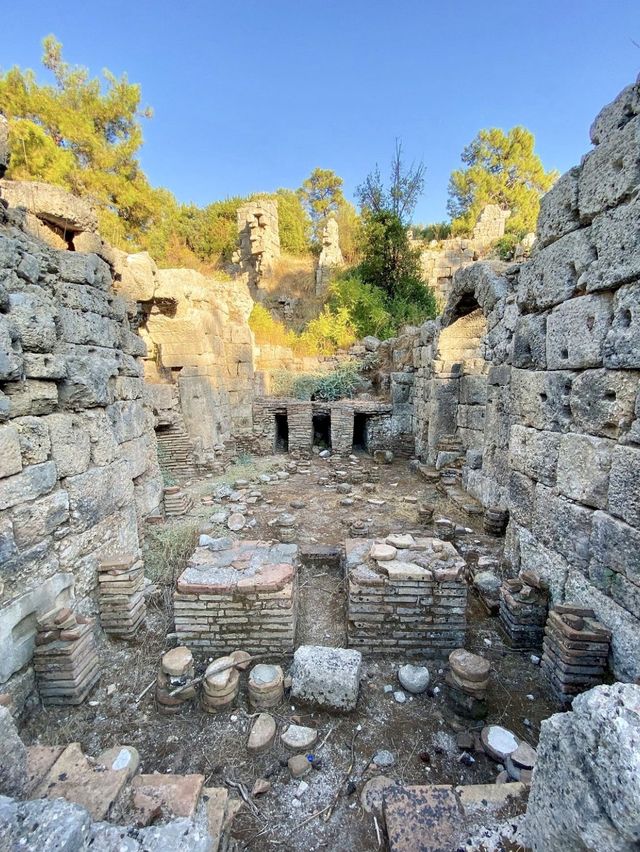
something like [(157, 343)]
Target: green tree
[(500, 168), (294, 226), (83, 134), (321, 194)]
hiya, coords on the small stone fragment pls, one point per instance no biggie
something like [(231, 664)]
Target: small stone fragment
[(414, 679)]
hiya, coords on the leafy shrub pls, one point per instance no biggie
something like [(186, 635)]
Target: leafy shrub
[(337, 384), (434, 231), (505, 247)]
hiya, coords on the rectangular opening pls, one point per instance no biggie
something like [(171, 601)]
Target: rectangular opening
[(282, 433), (360, 442), (322, 431)]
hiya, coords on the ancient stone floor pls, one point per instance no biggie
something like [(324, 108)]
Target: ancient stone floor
[(419, 733)]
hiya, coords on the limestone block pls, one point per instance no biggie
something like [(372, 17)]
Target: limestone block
[(10, 455), (534, 453), (98, 493), (471, 417), (326, 677), (89, 329), (84, 269), (522, 492), (551, 276), (34, 317), (586, 787), (33, 396), (89, 371), (138, 277), (576, 331), (530, 342), (127, 387), (8, 547), (32, 482), (129, 419), (611, 173), (80, 297), (148, 491), (622, 344), (37, 365), (473, 390), (34, 521), (18, 623), (583, 469), (625, 593), (138, 453), (615, 547), (616, 237), (541, 399), (13, 758), (132, 344), (624, 485), (614, 116), (50, 203), (33, 434), (603, 402), (559, 209), (70, 443), (562, 526)]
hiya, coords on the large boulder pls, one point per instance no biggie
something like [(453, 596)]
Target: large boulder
[(586, 782), (326, 677)]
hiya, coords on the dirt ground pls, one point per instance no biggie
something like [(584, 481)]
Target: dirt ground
[(421, 734)]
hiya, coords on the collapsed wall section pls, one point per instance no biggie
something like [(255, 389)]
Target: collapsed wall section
[(78, 462)]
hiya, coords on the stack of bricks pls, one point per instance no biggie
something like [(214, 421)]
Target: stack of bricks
[(66, 657), (176, 502), (575, 651), (120, 596), (238, 594), (524, 602), (221, 682), (413, 598)]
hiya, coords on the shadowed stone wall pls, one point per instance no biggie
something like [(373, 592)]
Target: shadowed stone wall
[(548, 416), (78, 461)]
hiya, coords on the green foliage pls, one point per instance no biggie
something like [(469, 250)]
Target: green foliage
[(505, 246), (329, 331), (435, 231), (501, 168), (321, 195), (349, 231), (83, 134), (337, 384), (294, 226), (366, 305), (166, 551)]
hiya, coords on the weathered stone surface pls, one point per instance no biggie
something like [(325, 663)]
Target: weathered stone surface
[(602, 402), (299, 737), (176, 795), (534, 453), (559, 209), (611, 173), (624, 485), (576, 332), (586, 786), (10, 455), (621, 343), (32, 482), (414, 679), (13, 757), (551, 276), (262, 735), (50, 203), (326, 677), (583, 469)]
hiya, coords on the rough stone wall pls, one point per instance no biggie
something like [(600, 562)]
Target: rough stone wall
[(441, 260), (259, 240), (199, 366), (586, 782), (78, 463), (330, 255), (543, 396)]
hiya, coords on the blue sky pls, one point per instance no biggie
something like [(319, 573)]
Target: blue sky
[(249, 96)]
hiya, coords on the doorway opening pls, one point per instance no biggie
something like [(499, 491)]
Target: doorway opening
[(282, 433), (322, 431), (360, 424)]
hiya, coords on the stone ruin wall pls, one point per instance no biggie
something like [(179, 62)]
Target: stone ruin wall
[(442, 259), (259, 240), (78, 461), (529, 382)]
